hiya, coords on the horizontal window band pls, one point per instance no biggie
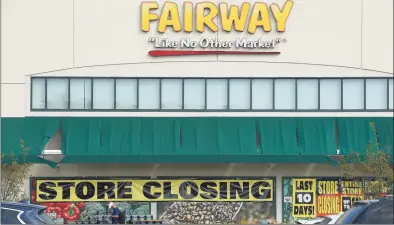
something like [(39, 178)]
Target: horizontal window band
[(212, 94)]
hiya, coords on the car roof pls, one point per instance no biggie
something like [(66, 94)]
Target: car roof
[(380, 202), (21, 206), (382, 199)]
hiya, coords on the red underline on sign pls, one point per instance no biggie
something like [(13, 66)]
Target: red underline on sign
[(161, 53)]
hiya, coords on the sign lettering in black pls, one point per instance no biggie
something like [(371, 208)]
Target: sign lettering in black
[(124, 190), (66, 189), (185, 187), (167, 192), (105, 188), (80, 190), (147, 190), (209, 189), (236, 190), (46, 188), (259, 193)]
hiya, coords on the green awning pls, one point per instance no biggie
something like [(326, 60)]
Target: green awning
[(195, 140)]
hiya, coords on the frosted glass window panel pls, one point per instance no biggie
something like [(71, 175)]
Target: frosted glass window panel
[(80, 93), (376, 94), (57, 93), (149, 94), (171, 94), (330, 94), (285, 94), (126, 94), (262, 94), (217, 94), (103, 93), (194, 94), (391, 98), (307, 94), (38, 93), (239, 93), (353, 94)]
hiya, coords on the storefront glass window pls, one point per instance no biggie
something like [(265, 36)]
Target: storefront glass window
[(330, 94), (308, 94), (80, 93), (149, 94), (103, 93), (217, 94), (171, 94), (239, 94), (126, 94), (391, 99), (353, 94), (194, 91), (376, 94), (38, 93), (285, 94), (57, 93), (262, 94)]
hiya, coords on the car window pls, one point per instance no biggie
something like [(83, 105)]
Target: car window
[(9, 216), (45, 218), (382, 216), (351, 214), (326, 220)]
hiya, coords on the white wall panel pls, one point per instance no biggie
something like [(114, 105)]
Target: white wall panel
[(108, 32), (378, 35), (43, 35), (36, 37), (317, 32), (13, 98)]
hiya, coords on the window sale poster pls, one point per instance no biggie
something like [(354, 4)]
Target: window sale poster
[(309, 198), (304, 196)]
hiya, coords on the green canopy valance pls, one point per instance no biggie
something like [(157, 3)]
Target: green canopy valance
[(199, 140)]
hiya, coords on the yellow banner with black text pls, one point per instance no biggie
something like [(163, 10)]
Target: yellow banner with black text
[(154, 190), (304, 197)]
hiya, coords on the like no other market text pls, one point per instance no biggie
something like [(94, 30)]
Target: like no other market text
[(215, 43)]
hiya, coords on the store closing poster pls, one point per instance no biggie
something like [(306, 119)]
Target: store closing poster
[(309, 198), (207, 201)]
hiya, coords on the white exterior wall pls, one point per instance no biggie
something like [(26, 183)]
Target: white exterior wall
[(103, 38), (352, 38)]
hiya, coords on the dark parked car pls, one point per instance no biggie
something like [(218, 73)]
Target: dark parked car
[(379, 211), (22, 213)]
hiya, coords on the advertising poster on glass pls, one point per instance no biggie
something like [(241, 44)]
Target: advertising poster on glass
[(307, 199)]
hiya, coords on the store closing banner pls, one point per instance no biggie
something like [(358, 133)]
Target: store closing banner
[(154, 190)]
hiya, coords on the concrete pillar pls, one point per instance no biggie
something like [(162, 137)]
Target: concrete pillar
[(153, 205), (278, 198), (153, 210)]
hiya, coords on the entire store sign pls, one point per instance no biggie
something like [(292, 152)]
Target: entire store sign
[(256, 18), (153, 190)]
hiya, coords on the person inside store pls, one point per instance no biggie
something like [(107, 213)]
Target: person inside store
[(113, 213)]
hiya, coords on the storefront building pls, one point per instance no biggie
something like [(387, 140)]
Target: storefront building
[(129, 91)]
